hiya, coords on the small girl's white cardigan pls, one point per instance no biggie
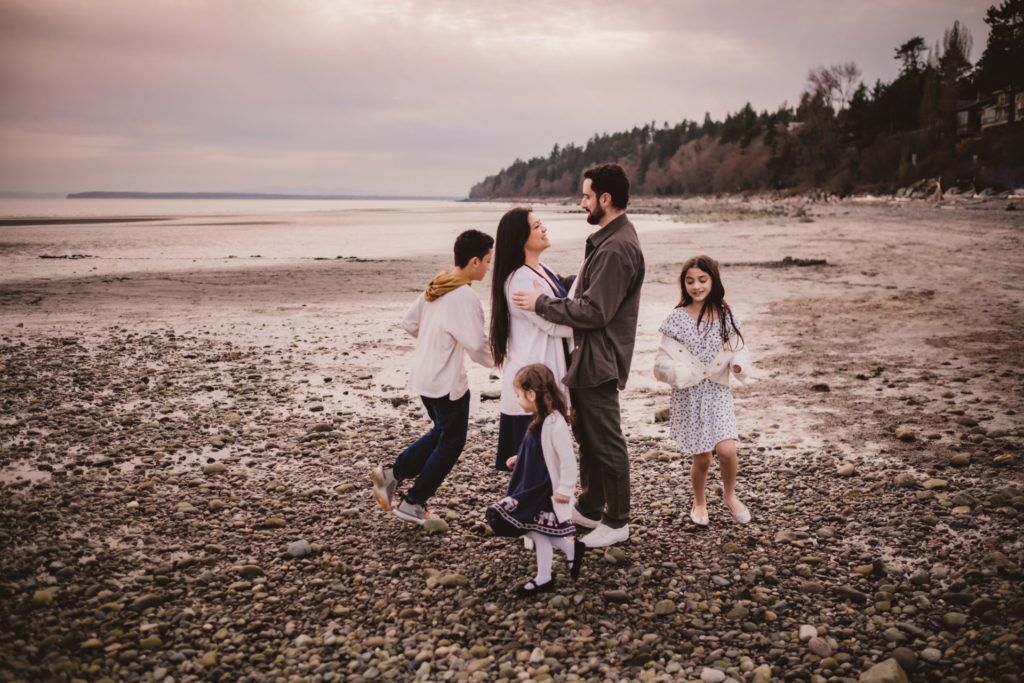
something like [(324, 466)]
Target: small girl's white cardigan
[(676, 366), (560, 459)]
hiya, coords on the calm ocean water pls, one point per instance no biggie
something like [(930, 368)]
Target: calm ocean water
[(197, 234)]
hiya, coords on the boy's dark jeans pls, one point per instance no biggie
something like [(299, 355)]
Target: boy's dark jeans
[(433, 455)]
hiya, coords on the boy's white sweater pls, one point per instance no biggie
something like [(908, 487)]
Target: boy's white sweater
[(444, 328)]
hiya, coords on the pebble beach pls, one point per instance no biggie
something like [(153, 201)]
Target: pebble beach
[(184, 456)]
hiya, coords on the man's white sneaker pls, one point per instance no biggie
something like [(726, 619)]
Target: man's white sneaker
[(586, 522), (605, 535)]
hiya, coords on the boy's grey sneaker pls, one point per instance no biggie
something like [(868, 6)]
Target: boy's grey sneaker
[(384, 485), (411, 512)]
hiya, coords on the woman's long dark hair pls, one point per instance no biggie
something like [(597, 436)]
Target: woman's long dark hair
[(509, 255), (714, 304), (548, 398)]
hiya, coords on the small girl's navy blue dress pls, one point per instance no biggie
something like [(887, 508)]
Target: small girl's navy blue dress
[(527, 507)]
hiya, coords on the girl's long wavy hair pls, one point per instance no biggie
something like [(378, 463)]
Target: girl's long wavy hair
[(714, 304), (548, 398), (509, 255)]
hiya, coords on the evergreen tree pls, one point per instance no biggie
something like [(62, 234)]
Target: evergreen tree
[(1000, 64), (909, 53)]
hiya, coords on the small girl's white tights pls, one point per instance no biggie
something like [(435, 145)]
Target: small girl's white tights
[(545, 552)]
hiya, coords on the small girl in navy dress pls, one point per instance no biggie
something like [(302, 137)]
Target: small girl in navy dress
[(540, 491), (701, 347)]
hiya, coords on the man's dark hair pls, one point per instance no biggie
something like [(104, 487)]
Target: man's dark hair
[(469, 244), (612, 179)]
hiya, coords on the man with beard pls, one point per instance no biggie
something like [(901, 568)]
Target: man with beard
[(602, 308)]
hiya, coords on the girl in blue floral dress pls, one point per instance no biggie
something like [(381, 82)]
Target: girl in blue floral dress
[(702, 348)]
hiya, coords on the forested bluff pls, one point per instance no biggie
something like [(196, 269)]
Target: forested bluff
[(943, 118)]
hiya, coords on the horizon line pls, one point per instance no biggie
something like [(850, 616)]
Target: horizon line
[(124, 194)]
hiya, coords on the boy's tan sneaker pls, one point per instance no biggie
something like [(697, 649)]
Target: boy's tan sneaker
[(384, 485)]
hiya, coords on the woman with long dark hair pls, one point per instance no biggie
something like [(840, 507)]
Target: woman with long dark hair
[(518, 337)]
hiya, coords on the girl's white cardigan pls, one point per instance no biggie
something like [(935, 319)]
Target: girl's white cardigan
[(560, 459), (676, 366)]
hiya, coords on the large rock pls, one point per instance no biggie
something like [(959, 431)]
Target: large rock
[(820, 647), (905, 433), (43, 597), (250, 571), (151, 643), (888, 671), (960, 459), (906, 658), (146, 601), (709, 675), (299, 548), (954, 620), (850, 593), (906, 480), (435, 525), (664, 607), (614, 555), (453, 580), (617, 596)]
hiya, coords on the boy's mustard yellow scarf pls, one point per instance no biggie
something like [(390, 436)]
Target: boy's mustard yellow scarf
[(442, 284)]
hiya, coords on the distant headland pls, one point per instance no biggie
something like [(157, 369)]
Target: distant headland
[(236, 195)]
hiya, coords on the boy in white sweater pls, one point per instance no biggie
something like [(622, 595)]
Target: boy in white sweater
[(446, 320)]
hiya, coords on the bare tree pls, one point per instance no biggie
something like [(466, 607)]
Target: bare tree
[(836, 83), (848, 77), (823, 83)]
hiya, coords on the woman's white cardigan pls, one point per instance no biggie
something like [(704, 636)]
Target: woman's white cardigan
[(531, 339), (676, 366), (560, 459)]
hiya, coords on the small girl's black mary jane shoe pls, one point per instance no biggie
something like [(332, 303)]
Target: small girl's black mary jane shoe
[(532, 588)]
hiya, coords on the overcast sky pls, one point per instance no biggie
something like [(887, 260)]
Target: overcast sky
[(396, 96)]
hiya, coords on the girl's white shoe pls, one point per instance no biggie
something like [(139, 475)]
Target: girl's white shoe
[(699, 515), (742, 516)]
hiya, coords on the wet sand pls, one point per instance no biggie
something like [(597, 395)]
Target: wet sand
[(167, 434)]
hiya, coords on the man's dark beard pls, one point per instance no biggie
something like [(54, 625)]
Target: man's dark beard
[(595, 217)]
